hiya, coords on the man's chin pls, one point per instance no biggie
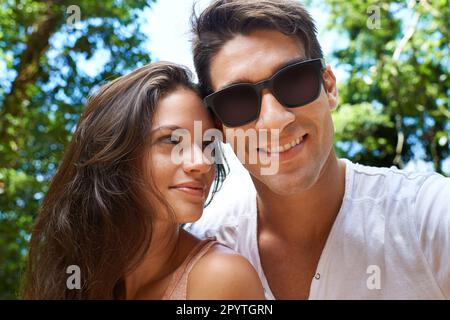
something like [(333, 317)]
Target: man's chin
[(287, 184)]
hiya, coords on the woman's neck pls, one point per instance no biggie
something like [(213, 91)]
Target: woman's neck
[(162, 258)]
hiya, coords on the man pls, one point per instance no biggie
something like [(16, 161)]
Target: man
[(320, 227)]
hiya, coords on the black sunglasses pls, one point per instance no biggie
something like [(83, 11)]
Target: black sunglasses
[(293, 86)]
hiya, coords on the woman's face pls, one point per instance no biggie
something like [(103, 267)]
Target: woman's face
[(179, 167)]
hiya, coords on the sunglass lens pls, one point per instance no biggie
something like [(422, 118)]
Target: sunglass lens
[(297, 86), (237, 105)]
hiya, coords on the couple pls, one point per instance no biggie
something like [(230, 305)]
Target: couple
[(121, 210)]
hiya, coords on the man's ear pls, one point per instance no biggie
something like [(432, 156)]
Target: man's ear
[(330, 87)]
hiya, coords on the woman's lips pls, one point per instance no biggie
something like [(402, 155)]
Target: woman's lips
[(191, 191), (194, 189)]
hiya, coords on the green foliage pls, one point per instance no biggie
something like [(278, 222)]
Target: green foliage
[(396, 98), (362, 131), (42, 92)]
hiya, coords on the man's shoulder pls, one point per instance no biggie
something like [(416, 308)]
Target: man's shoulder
[(401, 219), (383, 183), (418, 199)]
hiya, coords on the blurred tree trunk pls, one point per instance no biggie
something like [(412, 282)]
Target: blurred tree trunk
[(27, 72)]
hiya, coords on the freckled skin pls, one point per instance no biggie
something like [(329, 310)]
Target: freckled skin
[(179, 108)]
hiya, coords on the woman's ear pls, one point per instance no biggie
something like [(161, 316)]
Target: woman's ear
[(330, 87)]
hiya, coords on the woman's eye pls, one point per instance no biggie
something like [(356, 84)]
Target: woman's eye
[(170, 139)]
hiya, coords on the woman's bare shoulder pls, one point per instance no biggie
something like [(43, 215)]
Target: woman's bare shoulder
[(223, 274)]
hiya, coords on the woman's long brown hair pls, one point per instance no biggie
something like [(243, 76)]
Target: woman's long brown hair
[(95, 214)]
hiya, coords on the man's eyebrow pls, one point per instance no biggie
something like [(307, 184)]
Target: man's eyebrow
[(239, 80), (278, 67), (169, 127), (289, 62)]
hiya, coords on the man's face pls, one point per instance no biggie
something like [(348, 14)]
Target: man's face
[(257, 56)]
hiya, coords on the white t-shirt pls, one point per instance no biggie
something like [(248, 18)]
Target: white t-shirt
[(390, 239)]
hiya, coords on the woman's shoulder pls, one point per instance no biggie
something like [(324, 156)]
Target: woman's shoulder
[(221, 273)]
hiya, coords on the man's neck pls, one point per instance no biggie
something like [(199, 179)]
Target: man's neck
[(306, 217)]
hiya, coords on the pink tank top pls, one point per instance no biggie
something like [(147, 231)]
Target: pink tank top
[(177, 288)]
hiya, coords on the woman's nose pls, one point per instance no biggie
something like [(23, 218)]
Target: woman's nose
[(196, 161)]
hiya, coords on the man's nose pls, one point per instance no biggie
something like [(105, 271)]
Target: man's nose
[(273, 114)]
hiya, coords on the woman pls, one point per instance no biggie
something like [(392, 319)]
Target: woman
[(117, 202)]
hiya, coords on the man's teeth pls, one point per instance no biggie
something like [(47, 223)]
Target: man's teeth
[(285, 147)]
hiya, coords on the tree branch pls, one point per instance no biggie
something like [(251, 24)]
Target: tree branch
[(399, 118), (28, 69)]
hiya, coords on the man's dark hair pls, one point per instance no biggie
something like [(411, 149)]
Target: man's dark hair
[(224, 19)]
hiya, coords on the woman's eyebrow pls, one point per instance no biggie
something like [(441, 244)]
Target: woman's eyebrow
[(170, 127)]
